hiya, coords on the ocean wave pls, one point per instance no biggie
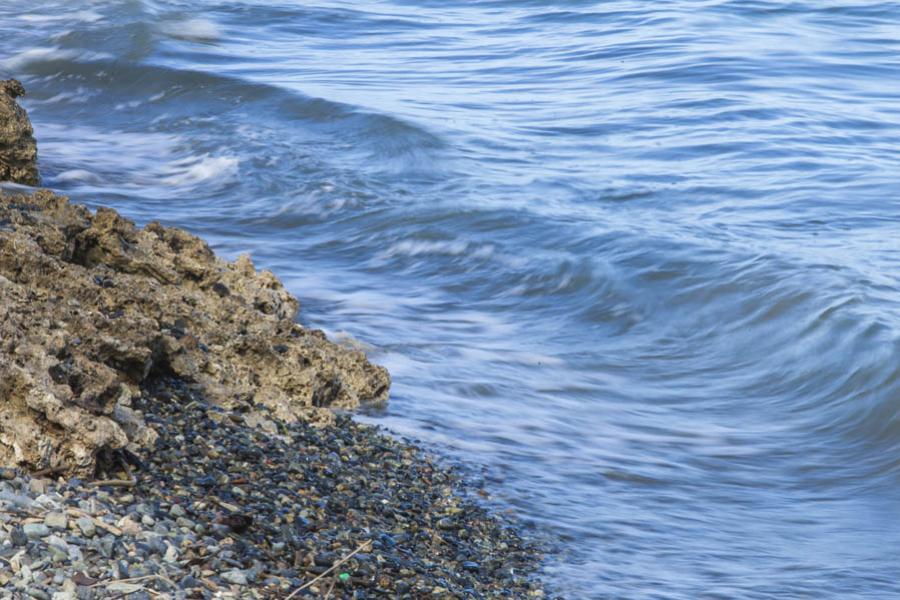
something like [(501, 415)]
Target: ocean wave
[(195, 170), (84, 159), (50, 54), (192, 30), (445, 247), (68, 17), (639, 259)]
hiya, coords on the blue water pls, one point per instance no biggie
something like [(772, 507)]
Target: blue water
[(638, 260)]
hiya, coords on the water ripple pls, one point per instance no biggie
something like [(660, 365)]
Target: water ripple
[(637, 259)]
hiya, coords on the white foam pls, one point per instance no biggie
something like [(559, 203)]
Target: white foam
[(127, 154), (127, 105), (77, 175), (82, 16), (150, 162), (419, 247), (33, 55), (79, 95), (192, 30), (199, 169)]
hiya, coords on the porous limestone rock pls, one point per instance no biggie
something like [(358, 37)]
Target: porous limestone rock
[(18, 149), (94, 309)]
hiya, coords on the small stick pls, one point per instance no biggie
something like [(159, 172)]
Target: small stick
[(125, 466), (129, 580), (20, 512), (209, 584), (330, 589), (110, 528), (330, 569), (48, 471), (114, 482), (225, 505)]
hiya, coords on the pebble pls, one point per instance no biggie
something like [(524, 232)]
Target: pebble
[(56, 520), (218, 504), (36, 530), (236, 577), (86, 526), (128, 526), (171, 554), (18, 536)]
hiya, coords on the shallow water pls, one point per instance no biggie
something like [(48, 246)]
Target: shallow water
[(637, 259)]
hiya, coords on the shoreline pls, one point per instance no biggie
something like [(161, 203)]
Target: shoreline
[(223, 509), (191, 491), (168, 430)]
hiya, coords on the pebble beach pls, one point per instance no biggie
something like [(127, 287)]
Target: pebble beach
[(220, 509)]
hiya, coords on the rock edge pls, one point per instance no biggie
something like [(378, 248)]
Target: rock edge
[(18, 148), (93, 309)]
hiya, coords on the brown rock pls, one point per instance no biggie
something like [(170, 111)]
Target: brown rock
[(93, 309), (18, 149)]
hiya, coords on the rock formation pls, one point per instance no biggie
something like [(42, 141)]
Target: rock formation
[(93, 309), (18, 149)]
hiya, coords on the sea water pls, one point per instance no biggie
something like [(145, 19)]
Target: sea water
[(636, 264)]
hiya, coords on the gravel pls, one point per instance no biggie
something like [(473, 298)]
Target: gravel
[(220, 509)]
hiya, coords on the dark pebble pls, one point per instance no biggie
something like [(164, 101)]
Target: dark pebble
[(17, 536), (219, 502)]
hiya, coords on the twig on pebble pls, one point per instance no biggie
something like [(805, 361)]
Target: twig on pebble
[(114, 482), (364, 546), (48, 471)]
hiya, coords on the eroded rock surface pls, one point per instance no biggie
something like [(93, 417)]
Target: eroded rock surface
[(93, 308), (18, 149)]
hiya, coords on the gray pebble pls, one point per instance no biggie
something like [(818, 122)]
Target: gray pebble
[(56, 520), (87, 527), (236, 577), (36, 530)]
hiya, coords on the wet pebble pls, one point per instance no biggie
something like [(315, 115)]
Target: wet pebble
[(220, 506)]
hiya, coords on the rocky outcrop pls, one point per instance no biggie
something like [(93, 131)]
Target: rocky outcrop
[(93, 308), (18, 149)]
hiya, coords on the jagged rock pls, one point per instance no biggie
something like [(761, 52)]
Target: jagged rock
[(18, 149), (93, 309)]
